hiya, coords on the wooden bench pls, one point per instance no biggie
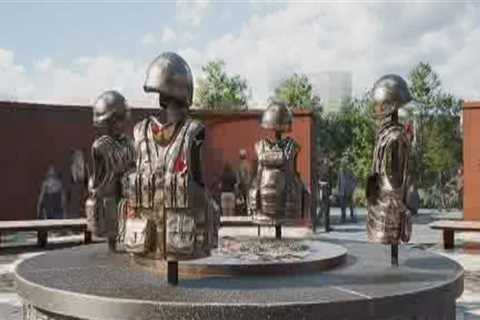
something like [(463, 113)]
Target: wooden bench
[(449, 228), (237, 221), (43, 226)]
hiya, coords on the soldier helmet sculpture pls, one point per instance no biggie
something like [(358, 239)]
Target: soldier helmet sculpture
[(112, 155), (109, 106), (170, 74), (167, 187), (390, 92), (389, 219), (277, 117), (277, 193)]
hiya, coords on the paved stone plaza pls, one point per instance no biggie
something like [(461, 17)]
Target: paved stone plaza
[(467, 253)]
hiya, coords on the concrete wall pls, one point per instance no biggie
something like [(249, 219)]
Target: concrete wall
[(34, 135)]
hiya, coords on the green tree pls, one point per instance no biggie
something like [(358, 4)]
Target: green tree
[(219, 91), (297, 92), (426, 89), (437, 151), (348, 137)]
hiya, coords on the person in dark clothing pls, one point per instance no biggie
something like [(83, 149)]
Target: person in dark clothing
[(346, 189), (244, 179), (51, 201), (75, 185), (229, 180)]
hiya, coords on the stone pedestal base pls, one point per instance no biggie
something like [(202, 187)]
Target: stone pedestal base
[(91, 283)]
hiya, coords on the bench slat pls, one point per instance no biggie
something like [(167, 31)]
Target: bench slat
[(456, 225), (49, 224)]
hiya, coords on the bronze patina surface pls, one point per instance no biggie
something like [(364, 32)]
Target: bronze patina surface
[(389, 219), (258, 257), (277, 194), (112, 155), (166, 188)]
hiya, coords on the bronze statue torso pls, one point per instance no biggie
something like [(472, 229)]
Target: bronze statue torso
[(277, 185), (111, 159), (388, 217), (165, 191)]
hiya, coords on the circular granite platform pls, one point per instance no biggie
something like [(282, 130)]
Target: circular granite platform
[(259, 256), (90, 283)]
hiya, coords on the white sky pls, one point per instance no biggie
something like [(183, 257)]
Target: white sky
[(70, 53)]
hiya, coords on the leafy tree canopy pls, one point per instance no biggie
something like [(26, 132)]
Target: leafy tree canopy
[(297, 92), (219, 91)]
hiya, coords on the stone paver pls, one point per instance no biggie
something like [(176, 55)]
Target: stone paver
[(466, 252)]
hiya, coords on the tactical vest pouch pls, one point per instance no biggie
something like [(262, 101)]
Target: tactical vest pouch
[(253, 200), (406, 226), (373, 187), (176, 191), (96, 216), (131, 229), (129, 188), (91, 214), (181, 190), (181, 231), (272, 158), (139, 188)]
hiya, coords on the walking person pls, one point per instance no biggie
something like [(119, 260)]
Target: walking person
[(229, 180), (75, 183), (323, 192), (51, 201), (347, 183), (244, 178)]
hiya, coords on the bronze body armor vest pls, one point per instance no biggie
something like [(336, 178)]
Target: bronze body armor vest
[(163, 190), (388, 219), (111, 159), (276, 194)]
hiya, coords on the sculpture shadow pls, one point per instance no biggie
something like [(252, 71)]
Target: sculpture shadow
[(16, 249), (348, 274), (314, 280), (348, 229), (430, 263)]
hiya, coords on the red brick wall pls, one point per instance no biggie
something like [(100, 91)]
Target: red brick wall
[(227, 135), (471, 160), (32, 136)]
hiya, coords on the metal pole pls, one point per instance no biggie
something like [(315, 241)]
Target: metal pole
[(172, 272), (278, 231), (394, 255)]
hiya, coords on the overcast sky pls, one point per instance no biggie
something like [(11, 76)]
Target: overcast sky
[(69, 53)]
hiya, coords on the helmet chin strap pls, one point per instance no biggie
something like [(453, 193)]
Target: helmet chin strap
[(387, 118), (175, 114), (386, 111)]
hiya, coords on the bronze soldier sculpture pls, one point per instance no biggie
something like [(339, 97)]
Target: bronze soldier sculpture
[(112, 155), (167, 187), (277, 193), (389, 220)]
